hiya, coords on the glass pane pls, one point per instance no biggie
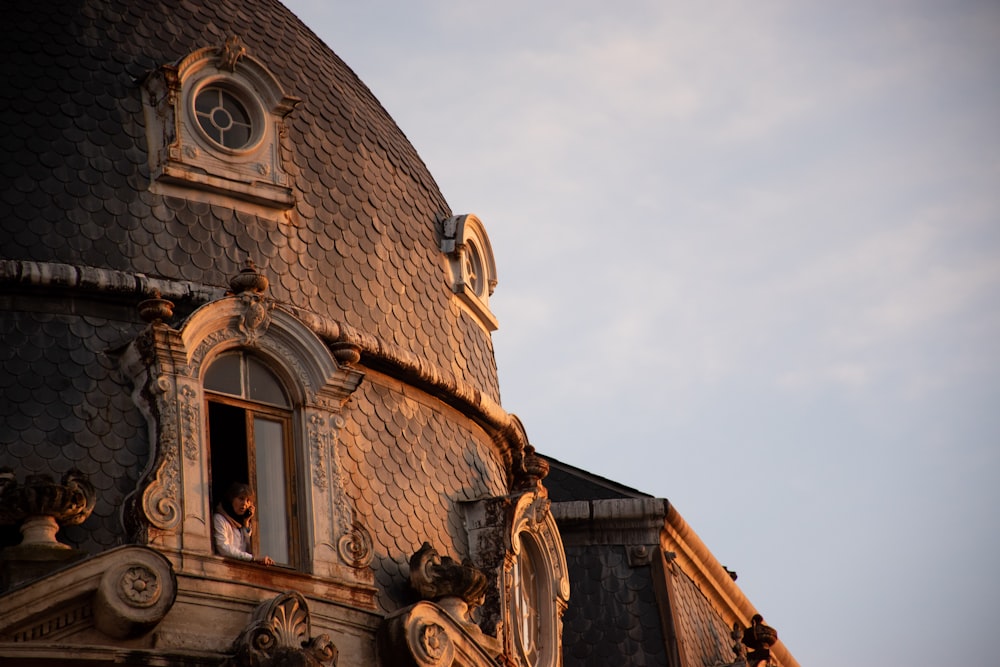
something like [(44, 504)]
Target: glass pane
[(264, 387), (527, 597), (235, 109), (224, 375), (207, 100), (272, 502)]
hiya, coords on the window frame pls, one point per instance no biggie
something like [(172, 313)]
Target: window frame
[(171, 507), (250, 411)]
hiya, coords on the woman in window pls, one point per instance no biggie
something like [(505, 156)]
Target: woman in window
[(231, 524)]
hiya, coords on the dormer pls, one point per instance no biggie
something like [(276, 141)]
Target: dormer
[(215, 124)]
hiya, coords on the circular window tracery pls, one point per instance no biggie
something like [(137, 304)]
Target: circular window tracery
[(224, 118)]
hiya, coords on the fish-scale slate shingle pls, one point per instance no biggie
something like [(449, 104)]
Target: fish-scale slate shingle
[(361, 245), (65, 407), (406, 465), (358, 246)]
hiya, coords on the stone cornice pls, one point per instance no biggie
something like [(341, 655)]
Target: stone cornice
[(376, 352), (625, 521)]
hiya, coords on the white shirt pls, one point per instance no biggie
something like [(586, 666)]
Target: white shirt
[(231, 539)]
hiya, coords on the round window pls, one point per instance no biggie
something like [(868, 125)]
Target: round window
[(223, 118)]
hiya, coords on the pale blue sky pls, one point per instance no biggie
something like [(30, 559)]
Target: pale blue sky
[(749, 261)]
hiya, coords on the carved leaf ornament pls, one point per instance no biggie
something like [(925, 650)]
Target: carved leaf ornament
[(279, 634)]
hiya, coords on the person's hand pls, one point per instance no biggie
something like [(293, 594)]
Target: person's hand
[(266, 560)]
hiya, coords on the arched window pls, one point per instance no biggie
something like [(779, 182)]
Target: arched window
[(527, 594), (250, 440)]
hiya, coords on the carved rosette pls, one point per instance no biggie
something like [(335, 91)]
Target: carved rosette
[(279, 633), (430, 645), (137, 590)]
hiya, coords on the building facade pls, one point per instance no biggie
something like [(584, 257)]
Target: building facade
[(222, 262)]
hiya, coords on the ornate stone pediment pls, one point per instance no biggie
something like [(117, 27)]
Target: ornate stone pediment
[(118, 594)]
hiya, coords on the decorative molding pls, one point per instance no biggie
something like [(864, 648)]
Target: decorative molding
[(320, 441), (502, 531), (698, 563), (136, 590), (191, 421), (167, 366), (161, 498), (279, 634), (355, 547), (389, 357), (184, 157), (425, 635), (472, 271)]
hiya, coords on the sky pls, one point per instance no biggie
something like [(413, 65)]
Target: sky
[(749, 261)]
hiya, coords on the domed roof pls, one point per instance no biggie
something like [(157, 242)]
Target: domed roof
[(358, 239)]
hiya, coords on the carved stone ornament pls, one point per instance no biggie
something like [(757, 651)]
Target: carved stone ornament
[(121, 593), (42, 505), (435, 577), (759, 638), (230, 53), (346, 353), (531, 471), (156, 310), (279, 634), (166, 367), (454, 586), (508, 536), (425, 635), (183, 156), (136, 591), (355, 546), (256, 317), (249, 279)]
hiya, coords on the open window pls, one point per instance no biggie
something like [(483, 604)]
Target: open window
[(249, 427), (244, 391)]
